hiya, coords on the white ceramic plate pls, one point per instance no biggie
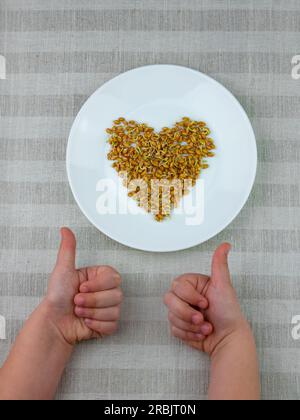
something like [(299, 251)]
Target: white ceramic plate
[(161, 95)]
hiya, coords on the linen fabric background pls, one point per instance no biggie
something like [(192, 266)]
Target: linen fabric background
[(57, 54)]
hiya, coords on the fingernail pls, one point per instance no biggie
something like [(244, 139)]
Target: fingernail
[(199, 336), (80, 300), (88, 321), (84, 289), (79, 310), (202, 304), (205, 329), (196, 319)]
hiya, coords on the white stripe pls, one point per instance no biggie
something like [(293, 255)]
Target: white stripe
[(54, 83), (140, 357), (54, 171), (273, 218), (283, 360), (86, 83), (32, 171), (267, 311), (158, 41), (150, 5), (56, 215)]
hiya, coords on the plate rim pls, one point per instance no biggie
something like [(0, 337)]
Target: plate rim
[(216, 231)]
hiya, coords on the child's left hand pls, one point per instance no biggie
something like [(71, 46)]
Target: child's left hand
[(83, 303)]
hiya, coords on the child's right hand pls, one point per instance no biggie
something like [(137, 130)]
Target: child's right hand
[(204, 311)]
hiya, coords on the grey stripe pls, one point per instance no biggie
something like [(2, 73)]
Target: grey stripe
[(283, 241), (131, 261), (54, 149), (288, 152), (150, 20), (98, 397), (20, 128), (69, 105), (270, 311), (278, 172), (60, 193), (151, 4), (115, 62), (155, 285), (55, 171), (157, 41)]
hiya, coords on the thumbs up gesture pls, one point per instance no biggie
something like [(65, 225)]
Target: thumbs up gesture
[(204, 310), (84, 303)]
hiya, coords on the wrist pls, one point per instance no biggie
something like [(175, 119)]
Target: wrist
[(51, 321), (240, 336)]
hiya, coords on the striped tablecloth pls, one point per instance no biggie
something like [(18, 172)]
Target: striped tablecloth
[(57, 53)]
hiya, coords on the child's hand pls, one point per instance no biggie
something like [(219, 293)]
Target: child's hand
[(82, 303), (204, 311)]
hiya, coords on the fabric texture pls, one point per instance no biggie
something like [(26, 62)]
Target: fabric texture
[(57, 53)]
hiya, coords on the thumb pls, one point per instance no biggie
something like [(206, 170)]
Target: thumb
[(220, 270), (67, 251)]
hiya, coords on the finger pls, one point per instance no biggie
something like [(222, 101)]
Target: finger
[(102, 278), (197, 280), (182, 309), (103, 299), (220, 270), (99, 314), (101, 327), (205, 328), (187, 292), (186, 336), (67, 251)]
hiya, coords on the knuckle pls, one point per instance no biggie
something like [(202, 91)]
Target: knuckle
[(167, 298), (113, 328), (170, 317), (183, 312), (174, 284), (107, 269), (180, 279), (119, 295), (190, 335), (91, 300), (116, 312), (91, 312)]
